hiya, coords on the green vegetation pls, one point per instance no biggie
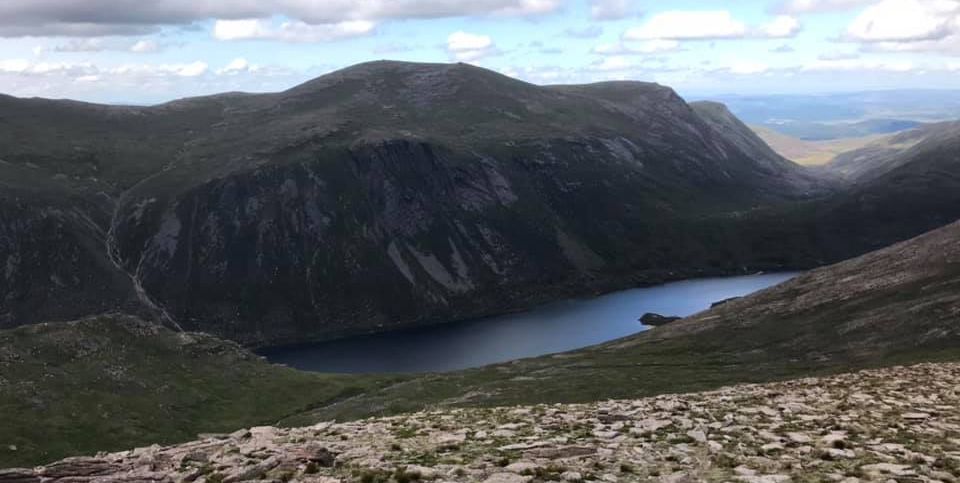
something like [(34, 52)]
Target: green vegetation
[(115, 382)]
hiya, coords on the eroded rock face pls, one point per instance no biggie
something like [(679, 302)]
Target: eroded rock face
[(900, 423)]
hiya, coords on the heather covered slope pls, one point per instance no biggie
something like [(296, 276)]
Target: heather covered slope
[(379, 196), (113, 382)]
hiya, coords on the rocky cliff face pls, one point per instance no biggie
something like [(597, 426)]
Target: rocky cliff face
[(899, 424), (384, 194)]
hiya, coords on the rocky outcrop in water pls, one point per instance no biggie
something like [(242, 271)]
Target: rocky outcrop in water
[(654, 320), (897, 424)]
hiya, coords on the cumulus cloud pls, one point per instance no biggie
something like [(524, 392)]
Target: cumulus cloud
[(783, 49), (689, 24), (145, 47), (81, 45), (709, 25), (906, 20), (89, 71), (908, 26), (611, 9), (290, 31), (466, 47), (641, 48), (91, 18), (818, 6), (781, 26), (86, 45)]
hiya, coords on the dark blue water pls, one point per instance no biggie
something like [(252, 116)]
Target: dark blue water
[(556, 327)]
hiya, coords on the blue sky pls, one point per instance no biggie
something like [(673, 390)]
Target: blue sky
[(145, 52)]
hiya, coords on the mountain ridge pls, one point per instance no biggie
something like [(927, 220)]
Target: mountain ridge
[(236, 213)]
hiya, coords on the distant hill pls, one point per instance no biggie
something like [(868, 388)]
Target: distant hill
[(888, 153), (903, 104), (820, 131), (810, 153)]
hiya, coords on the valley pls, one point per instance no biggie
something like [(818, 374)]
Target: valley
[(556, 327), (414, 212)]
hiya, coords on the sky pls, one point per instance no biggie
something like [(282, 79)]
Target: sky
[(143, 52)]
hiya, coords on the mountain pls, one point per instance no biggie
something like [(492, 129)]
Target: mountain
[(890, 152), (113, 382), (894, 306), (383, 195), (830, 131), (723, 121), (914, 187)]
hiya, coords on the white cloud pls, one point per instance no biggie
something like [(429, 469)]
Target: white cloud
[(781, 26), (15, 66), (291, 31), (641, 48), (819, 6), (466, 47), (838, 56), (30, 68), (906, 20), (145, 47), (613, 63), (81, 45), (691, 24), (193, 69), (748, 68), (240, 29), (236, 66), (858, 65), (610, 9)]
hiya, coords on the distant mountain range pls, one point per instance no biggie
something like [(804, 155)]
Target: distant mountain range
[(823, 117), (393, 194)]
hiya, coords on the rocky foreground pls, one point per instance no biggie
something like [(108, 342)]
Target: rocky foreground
[(900, 424)]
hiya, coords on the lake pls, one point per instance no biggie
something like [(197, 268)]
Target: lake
[(555, 327)]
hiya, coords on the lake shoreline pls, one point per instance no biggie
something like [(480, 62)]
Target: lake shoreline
[(554, 326)]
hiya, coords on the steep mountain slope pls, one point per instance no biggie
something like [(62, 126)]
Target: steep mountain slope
[(915, 190), (900, 304), (723, 121), (385, 194), (116, 381), (890, 152)]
